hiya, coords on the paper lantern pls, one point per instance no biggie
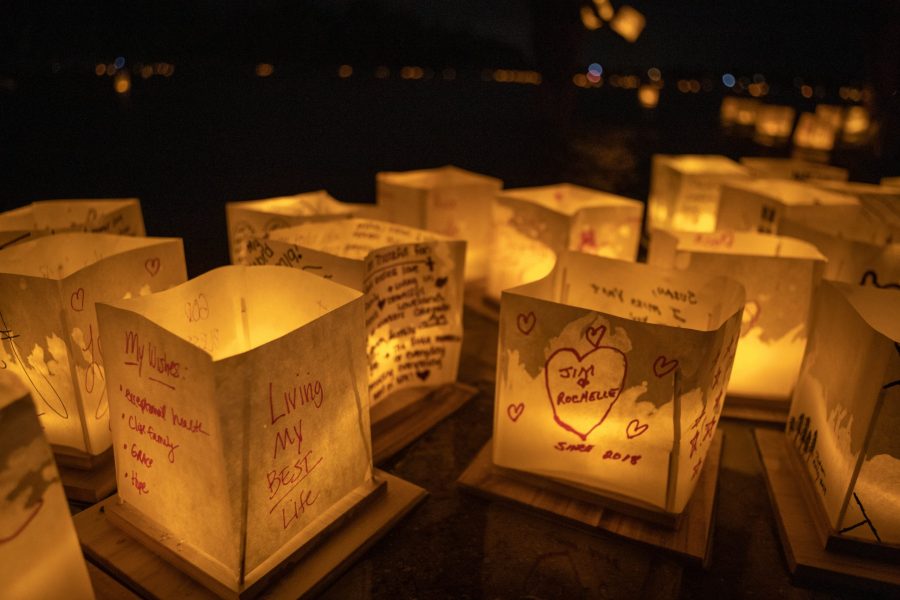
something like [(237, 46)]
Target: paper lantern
[(648, 96), (882, 202), (774, 124), (39, 552), (813, 133), (611, 377), (628, 22), (890, 182), (845, 413), (779, 276), (256, 219), (792, 168), (446, 200), (763, 204), (48, 288), (857, 125), (240, 417), (531, 225), (831, 114), (684, 190), (119, 217), (413, 285), (739, 111)]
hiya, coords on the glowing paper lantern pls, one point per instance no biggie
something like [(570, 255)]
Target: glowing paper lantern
[(857, 125), (684, 190), (39, 552), (611, 377), (881, 202), (533, 224), (256, 219), (413, 286), (779, 276), (831, 114), (792, 168), (845, 413), (48, 288), (891, 182), (814, 133), (446, 200), (739, 111), (774, 124), (763, 204), (119, 217), (628, 22), (246, 385), (648, 96)]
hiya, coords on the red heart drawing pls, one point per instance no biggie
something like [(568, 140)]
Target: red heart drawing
[(515, 411), (77, 300), (662, 367), (152, 266), (634, 428), (526, 322), (595, 335), (583, 389)]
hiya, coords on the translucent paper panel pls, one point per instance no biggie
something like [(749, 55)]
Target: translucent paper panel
[(792, 168), (446, 200), (779, 276), (39, 552), (413, 285), (611, 376), (48, 289), (119, 217), (278, 416)]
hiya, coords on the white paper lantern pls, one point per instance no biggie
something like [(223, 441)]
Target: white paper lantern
[(48, 289), (814, 133), (115, 216), (611, 377), (792, 168), (739, 111), (774, 124)]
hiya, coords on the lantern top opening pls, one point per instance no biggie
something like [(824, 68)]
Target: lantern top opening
[(706, 164), (793, 193), (59, 256), (859, 188), (446, 176), (352, 238), (566, 198), (263, 303), (60, 214), (742, 243), (299, 205)]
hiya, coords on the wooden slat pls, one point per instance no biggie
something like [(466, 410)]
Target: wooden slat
[(91, 485), (750, 409)]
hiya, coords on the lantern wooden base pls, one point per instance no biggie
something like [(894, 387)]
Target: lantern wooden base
[(691, 541), (800, 529), (756, 409), (477, 300), (92, 484), (404, 416), (138, 565)]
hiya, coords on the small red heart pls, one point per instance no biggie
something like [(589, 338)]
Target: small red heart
[(634, 428), (662, 367), (77, 300), (515, 411), (152, 266), (526, 322), (595, 335)]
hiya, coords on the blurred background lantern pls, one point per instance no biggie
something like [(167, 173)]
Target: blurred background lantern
[(413, 285), (858, 126), (774, 124), (48, 290), (648, 96), (845, 414), (792, 168), (531, 225), (119, 217), (684, 190), (39, 552), (738, 111), (611, 378), (446, 200), (237, 385), (628, 22), (814, 136), (779, 276), (256, 219), (831, 114), (891, 182)]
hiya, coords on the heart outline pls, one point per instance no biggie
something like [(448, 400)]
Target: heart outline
[(77, 295), (152, 266), (523, 320), (514, 411), (638, 428), (663, 366), (597, 332)]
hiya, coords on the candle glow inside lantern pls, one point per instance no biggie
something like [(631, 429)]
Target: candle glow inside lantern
[(48, 290), (684, 190), (739, 111), (256, 219), (39, 552), (611, 377), (533, 224), (246, 385), (779, 276), (413, 285), (114, 216), (792, 168), (814, 133), (447, 200), (857, 125), (845, 414), (774, 124), (628, 22)]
